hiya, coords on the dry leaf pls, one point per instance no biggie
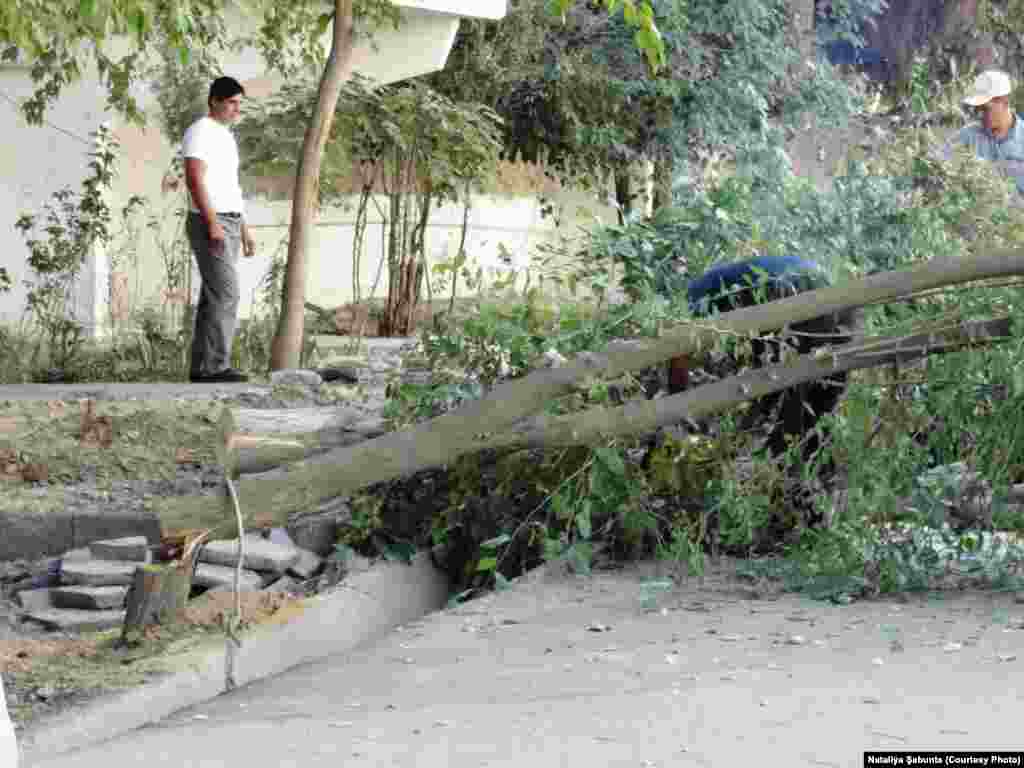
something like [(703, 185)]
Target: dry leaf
[(97, 431), (10, 469), (8, 425), (56, 408), (35, 473), (184, 456)]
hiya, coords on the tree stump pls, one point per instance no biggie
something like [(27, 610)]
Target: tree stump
[(159, 592)]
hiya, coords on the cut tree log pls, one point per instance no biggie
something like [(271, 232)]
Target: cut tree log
[(159, 592), (270, 498), (265, 439)]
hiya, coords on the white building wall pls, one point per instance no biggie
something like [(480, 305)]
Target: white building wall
[(496, 223), (35, 162)]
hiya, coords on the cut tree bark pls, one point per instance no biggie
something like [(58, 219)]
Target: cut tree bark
[(272, 497), (159, 592), (265, 439)]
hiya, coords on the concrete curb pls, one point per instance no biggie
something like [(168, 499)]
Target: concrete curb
[(365, 606)]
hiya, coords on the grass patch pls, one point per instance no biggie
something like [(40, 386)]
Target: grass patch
[(148, 440)]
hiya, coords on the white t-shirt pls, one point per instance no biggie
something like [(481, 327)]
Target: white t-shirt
[(215, 145)]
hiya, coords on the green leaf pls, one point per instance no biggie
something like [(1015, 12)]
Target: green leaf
[(323, 22), (579, 557), (139, 24), (497, 541), (486, 564), (87, 9), (552, 549), (611, 460), (399, 551), (583, 519)]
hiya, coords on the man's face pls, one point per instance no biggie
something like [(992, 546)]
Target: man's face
[(994, 114), (227, 110)]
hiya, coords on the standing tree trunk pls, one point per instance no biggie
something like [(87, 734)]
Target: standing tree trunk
[(287, 345)]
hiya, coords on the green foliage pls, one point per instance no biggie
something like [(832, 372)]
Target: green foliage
[(61, 41), (391, 135), (579, 99), (124, 39), (641, 17), (59, 241), (358, 532), (417, 147)]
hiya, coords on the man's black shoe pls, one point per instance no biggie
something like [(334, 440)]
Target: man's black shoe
[(228, 376), (334, 374)]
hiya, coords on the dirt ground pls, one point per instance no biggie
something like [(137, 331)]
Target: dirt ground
[(45, 674), (566, 671)]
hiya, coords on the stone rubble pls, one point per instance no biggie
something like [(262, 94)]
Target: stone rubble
[(98, 573), (86, 588), (89, 598), (213, 576), (260, 554), (129, 548)]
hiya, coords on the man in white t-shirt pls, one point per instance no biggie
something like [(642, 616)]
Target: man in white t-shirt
[(216, 230)]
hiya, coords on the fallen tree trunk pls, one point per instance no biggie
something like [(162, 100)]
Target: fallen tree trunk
[(641, 417), (272, 497), (432, 443), (266, 439)]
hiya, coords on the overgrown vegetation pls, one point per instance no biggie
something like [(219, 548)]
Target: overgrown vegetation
[(907, 440), (927, 453)]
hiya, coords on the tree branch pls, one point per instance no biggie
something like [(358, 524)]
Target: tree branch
[(343, 471)]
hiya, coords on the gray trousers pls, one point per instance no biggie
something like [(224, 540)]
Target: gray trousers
[(217, 312)]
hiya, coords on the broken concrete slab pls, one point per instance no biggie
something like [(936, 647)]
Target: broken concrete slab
[(80, 555), (307, 566), (89, 598), (318, 531), (260, 554), (72, 620), (98, 573), (128, 549), (35, 599), (214, 576), (285, 584)]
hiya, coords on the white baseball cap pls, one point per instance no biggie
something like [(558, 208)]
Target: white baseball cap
[(987, 86)]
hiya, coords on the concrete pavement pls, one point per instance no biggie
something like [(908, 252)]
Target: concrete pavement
[(575, 672)]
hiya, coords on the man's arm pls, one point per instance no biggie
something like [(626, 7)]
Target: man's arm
[(248, 243), (195, 178)]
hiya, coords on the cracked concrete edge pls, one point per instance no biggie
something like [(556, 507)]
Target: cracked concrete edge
[(365, 607)]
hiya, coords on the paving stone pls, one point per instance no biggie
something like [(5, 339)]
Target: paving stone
[(98, 573), (90, 598), (260, 554), (81, 555), (129, 549), (71, 620), (35, 599), (318, 531), (307, 566), (212, 576)]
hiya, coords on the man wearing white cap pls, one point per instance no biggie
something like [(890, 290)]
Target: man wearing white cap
[(999, 136)]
